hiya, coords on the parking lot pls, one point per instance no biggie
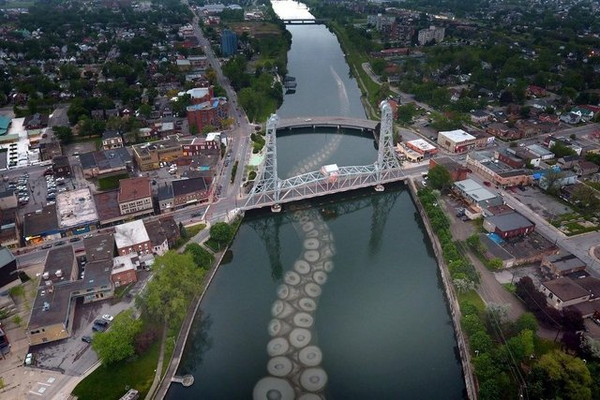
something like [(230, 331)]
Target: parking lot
[(541, 203)]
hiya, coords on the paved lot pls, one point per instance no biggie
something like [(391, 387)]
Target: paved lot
[(541, 203)]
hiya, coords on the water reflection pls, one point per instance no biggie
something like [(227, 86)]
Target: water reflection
[(198, 343)]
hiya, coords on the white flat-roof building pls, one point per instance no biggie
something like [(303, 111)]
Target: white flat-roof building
[(456, 141), (422, 146), (132, 238), (474, 193), (76, 209)]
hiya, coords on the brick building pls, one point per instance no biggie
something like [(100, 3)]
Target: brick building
[(135, 196)]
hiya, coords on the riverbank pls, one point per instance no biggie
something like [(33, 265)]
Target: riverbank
[(451, 297), (180, 343)]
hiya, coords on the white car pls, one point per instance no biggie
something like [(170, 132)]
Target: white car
[(108, 317)]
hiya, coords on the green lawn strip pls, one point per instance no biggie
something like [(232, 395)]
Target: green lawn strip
[(114, 381), (193, 230), (472, 297), (122, 291), (111, 182), (169, 348)]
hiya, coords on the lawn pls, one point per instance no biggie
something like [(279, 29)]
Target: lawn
[(114, 381), (473, 297), (110, 182)]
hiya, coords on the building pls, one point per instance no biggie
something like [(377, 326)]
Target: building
[(189, 191), (200, 94), (49, 148), (76, 211), (8, 199), (457, 171), (8, 268), (135, 196), (171, 230), (148, 156), (36, 121), (228, 43), (5, 122), (457, 141), (61, 166), (585, 168), (104, 163), (564, 292), (508, 225), (41, 225), (199, 146), (480, 117), (562, 264), (473, 193), (209, 113), (131, 238), (430, 34), (422, 146), (124, 270), (484, 164), (158, 238), (111, 140)]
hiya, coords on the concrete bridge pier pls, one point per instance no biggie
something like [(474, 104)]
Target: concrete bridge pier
[(276, 208)]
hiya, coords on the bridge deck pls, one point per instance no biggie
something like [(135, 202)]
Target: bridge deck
[(326, 122)]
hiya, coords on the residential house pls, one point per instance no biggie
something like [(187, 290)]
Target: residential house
[(158, 238), (480, 117), (111, 140), (35, 121), (585, 168)]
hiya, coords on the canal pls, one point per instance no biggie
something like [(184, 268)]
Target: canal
[(361, 317)]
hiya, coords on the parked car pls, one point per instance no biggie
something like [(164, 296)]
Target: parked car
[(101, 322), (108, 317), (75, 239), (87, 339), (47, 246), (98, 328), (486, 183), (59, 243)]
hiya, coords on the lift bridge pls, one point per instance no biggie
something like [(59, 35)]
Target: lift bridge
[(271, 191)]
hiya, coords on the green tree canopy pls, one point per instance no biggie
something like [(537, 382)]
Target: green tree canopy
[(116, 344), (221, 232), (562, 376), (202, 257), (439, 178)]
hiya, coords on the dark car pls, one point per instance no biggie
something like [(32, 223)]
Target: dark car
[(87, 339), (98, 328), (101, 322), (59, 243), (486, 183), (75, 239), (47, 246)]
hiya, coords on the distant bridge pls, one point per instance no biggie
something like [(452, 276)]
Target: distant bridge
[(269, 190), (304, 21), (327, 122)]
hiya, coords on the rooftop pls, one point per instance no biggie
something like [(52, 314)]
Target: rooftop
[(107, 206), (187, 186), (59, 265), (76, 208), (130, 234), (422, 144), (539, 150), (155, 232), (565, 262), (457, 135), (97, 274), (6, 256), (99, 247), (591, 284), (110, 135), (565, 289), (509, 222), (134, 189), (40, 222), (124, 263)]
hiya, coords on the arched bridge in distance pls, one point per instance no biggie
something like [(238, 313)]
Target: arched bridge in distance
[(327, 122), (304, 21)]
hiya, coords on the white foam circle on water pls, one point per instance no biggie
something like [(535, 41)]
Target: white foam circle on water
[(277, 327), (280, 366), (320, 277), (312, 234), (310, 396), (328, 266), (311, 244), (312, 289), (281, 309), (309, 226), (311, 255), (310, 356), (302, 267), (278, 346), (271, 388), (283, 291), (300, 337), (303, 320), (291, 278), (307, 304), (313, 379)]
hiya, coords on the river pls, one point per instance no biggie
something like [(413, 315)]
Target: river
[(361, 317)]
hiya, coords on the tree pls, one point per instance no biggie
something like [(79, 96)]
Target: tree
[(182, 231), (221, 233), (481, 342), (439, 178), (64, 134), (176, 281), (202, 257), (472, 324), (567, 376), (406, 113), (378, 65), (495, 263), (526, 321), (116, 344), (560, 150)]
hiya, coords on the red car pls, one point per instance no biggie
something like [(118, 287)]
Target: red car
[(486, 183)]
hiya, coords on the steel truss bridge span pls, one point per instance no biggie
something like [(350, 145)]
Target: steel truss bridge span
[(269, 190), (327, 122)]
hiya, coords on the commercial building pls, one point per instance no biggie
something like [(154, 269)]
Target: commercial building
[(8, 199), (8, 268), (61, 166), (41, 225), (563, 264), (422, 146), (457, 141), (457, 171), (183, 192), (209, 113), (484, 164), (149, 155), (104, 163), (508, 225), (124, 270), (76, 211), (199, 146), (135, 196), (473, 193), (563, 292), (131, 238), (228, 43), (429, 34)]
